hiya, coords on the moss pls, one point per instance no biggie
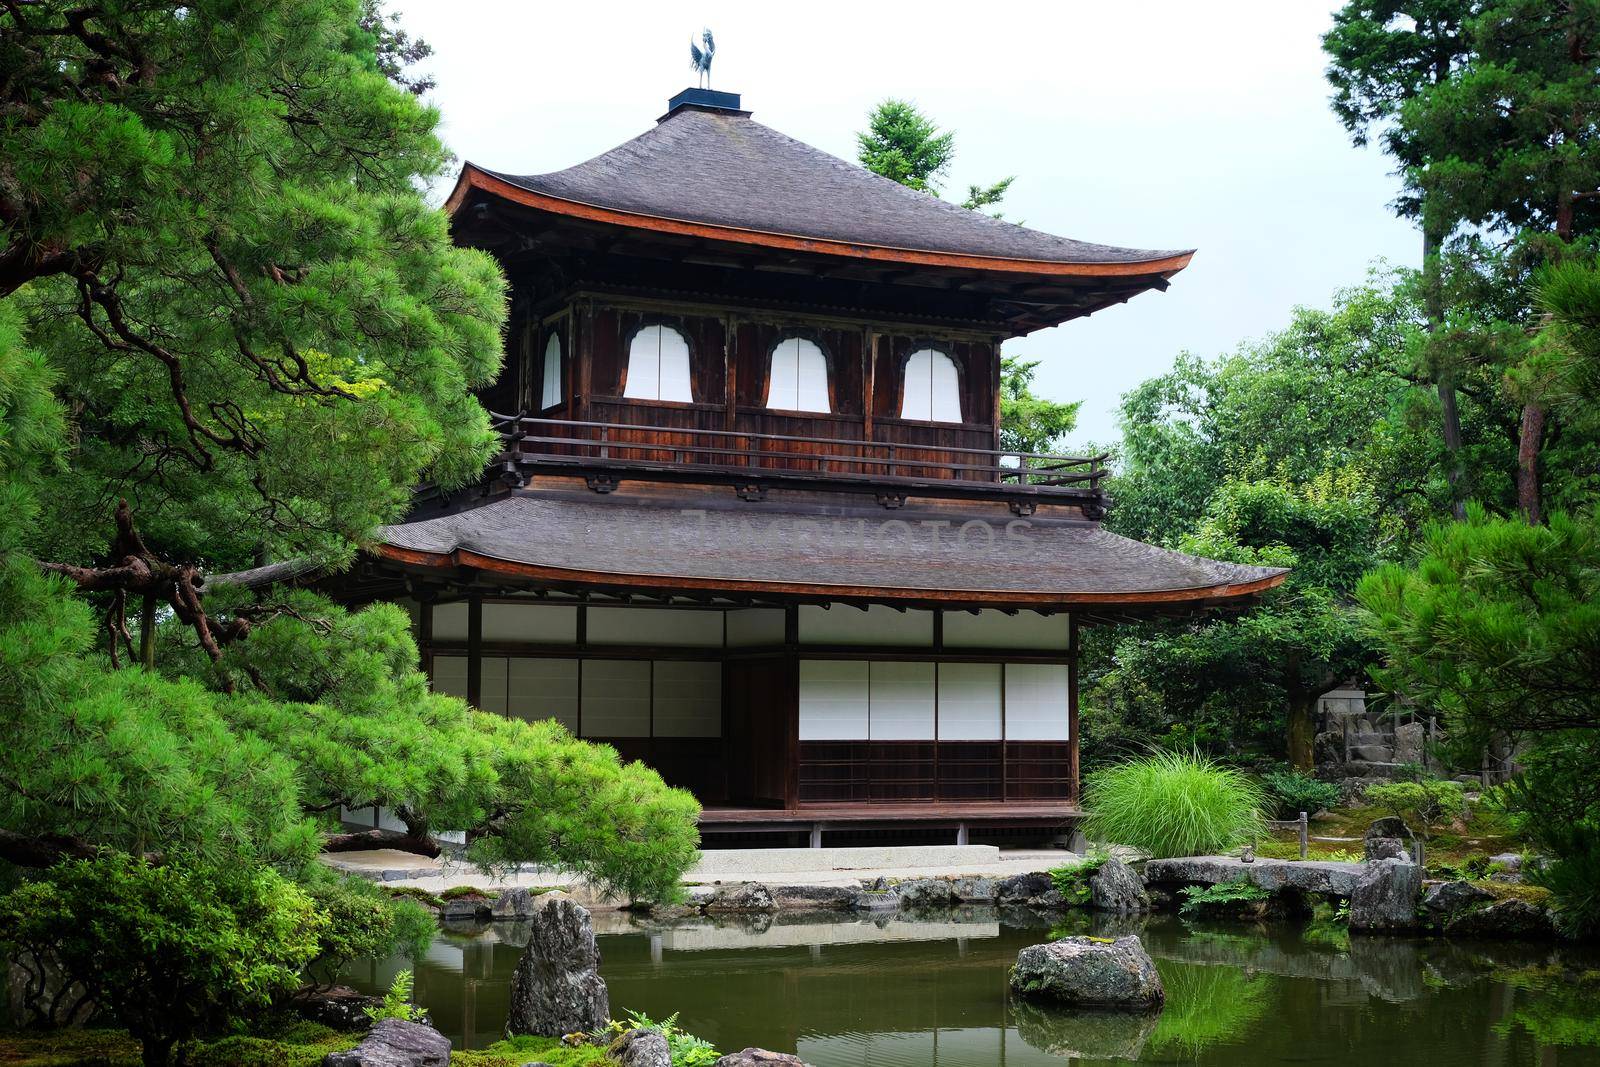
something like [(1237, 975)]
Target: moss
[(456, 892), (1532, 894), (411, 892), (294, 1045), (513, 1052)]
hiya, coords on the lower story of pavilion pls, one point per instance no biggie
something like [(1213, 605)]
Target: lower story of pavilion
[(796, 721)]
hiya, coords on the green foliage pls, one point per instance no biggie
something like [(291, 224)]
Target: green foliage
[(904, 145), (397, 1001), (1309, 449), (1422, 804), (364, 921), (1291, 792), (687, 1050), (1572, 875), (1072, 879), (1222, 898), (175, 951), (1030, 423), (1173, 804)]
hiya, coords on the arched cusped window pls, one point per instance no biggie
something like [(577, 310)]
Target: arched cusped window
[(799, 376), (658, 366), (550, 389), (932, 388)]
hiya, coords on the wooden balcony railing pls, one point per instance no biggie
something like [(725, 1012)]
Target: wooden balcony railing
[(643, 450)]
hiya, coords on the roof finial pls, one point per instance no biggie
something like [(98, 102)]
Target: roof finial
[(700, 57)]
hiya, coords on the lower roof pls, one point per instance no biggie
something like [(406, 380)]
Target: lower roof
[(618, 543)]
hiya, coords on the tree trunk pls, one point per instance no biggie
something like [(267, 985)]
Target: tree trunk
[(1529, 442), (1302, 729), (1449, 411)]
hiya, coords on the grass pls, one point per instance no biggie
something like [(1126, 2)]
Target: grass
[(1174, 804)]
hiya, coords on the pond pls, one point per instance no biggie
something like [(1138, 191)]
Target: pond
[(930, 989)]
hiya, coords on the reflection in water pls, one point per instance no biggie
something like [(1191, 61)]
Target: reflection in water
[(930, 989)]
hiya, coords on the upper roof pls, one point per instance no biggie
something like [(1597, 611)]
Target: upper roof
[(732, 178)]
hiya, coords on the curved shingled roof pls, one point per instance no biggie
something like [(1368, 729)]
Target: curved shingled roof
[(721, 168), (874, 554)]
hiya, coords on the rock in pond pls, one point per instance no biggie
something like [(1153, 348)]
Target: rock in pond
[(815, 897), (1385, 896), (1090, 972), (469, 907), (1442, 901), (1515, 919), (644, 1047), (760, 1057), (1117, 887), (395, 1043), (556, 988), (740, 897), (518, 903), (927, 893), (1022, 888)]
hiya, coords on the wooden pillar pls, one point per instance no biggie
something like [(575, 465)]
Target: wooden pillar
[(1072, 706), (475, 650)]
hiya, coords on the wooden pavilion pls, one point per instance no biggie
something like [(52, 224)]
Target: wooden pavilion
[(753, 523)]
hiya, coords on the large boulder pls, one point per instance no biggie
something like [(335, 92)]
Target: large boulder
[(740, 897), (1514, 919), (760, 1057), (644, 1047), (1117, 887), (395, 1043), (1317, 877), (1385, 896), (1090, 972), (556, 988)]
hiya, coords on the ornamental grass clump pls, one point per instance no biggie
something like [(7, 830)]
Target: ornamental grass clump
[(1174, 804)]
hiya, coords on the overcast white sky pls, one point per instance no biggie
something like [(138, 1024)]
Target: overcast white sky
[(1165, 124)]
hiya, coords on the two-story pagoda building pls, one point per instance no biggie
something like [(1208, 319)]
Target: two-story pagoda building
[(753, 523)]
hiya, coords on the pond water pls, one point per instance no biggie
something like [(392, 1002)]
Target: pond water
[(850, 991)]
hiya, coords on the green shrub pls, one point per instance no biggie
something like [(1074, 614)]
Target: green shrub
[(1173, 804), (363, 920), (1573, 877), (1072, 879), (1422, 804), (1224, 897), (174, 952), (1290, 792)]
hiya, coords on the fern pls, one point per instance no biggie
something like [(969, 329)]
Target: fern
[(1223, 896), (397, 1002)]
